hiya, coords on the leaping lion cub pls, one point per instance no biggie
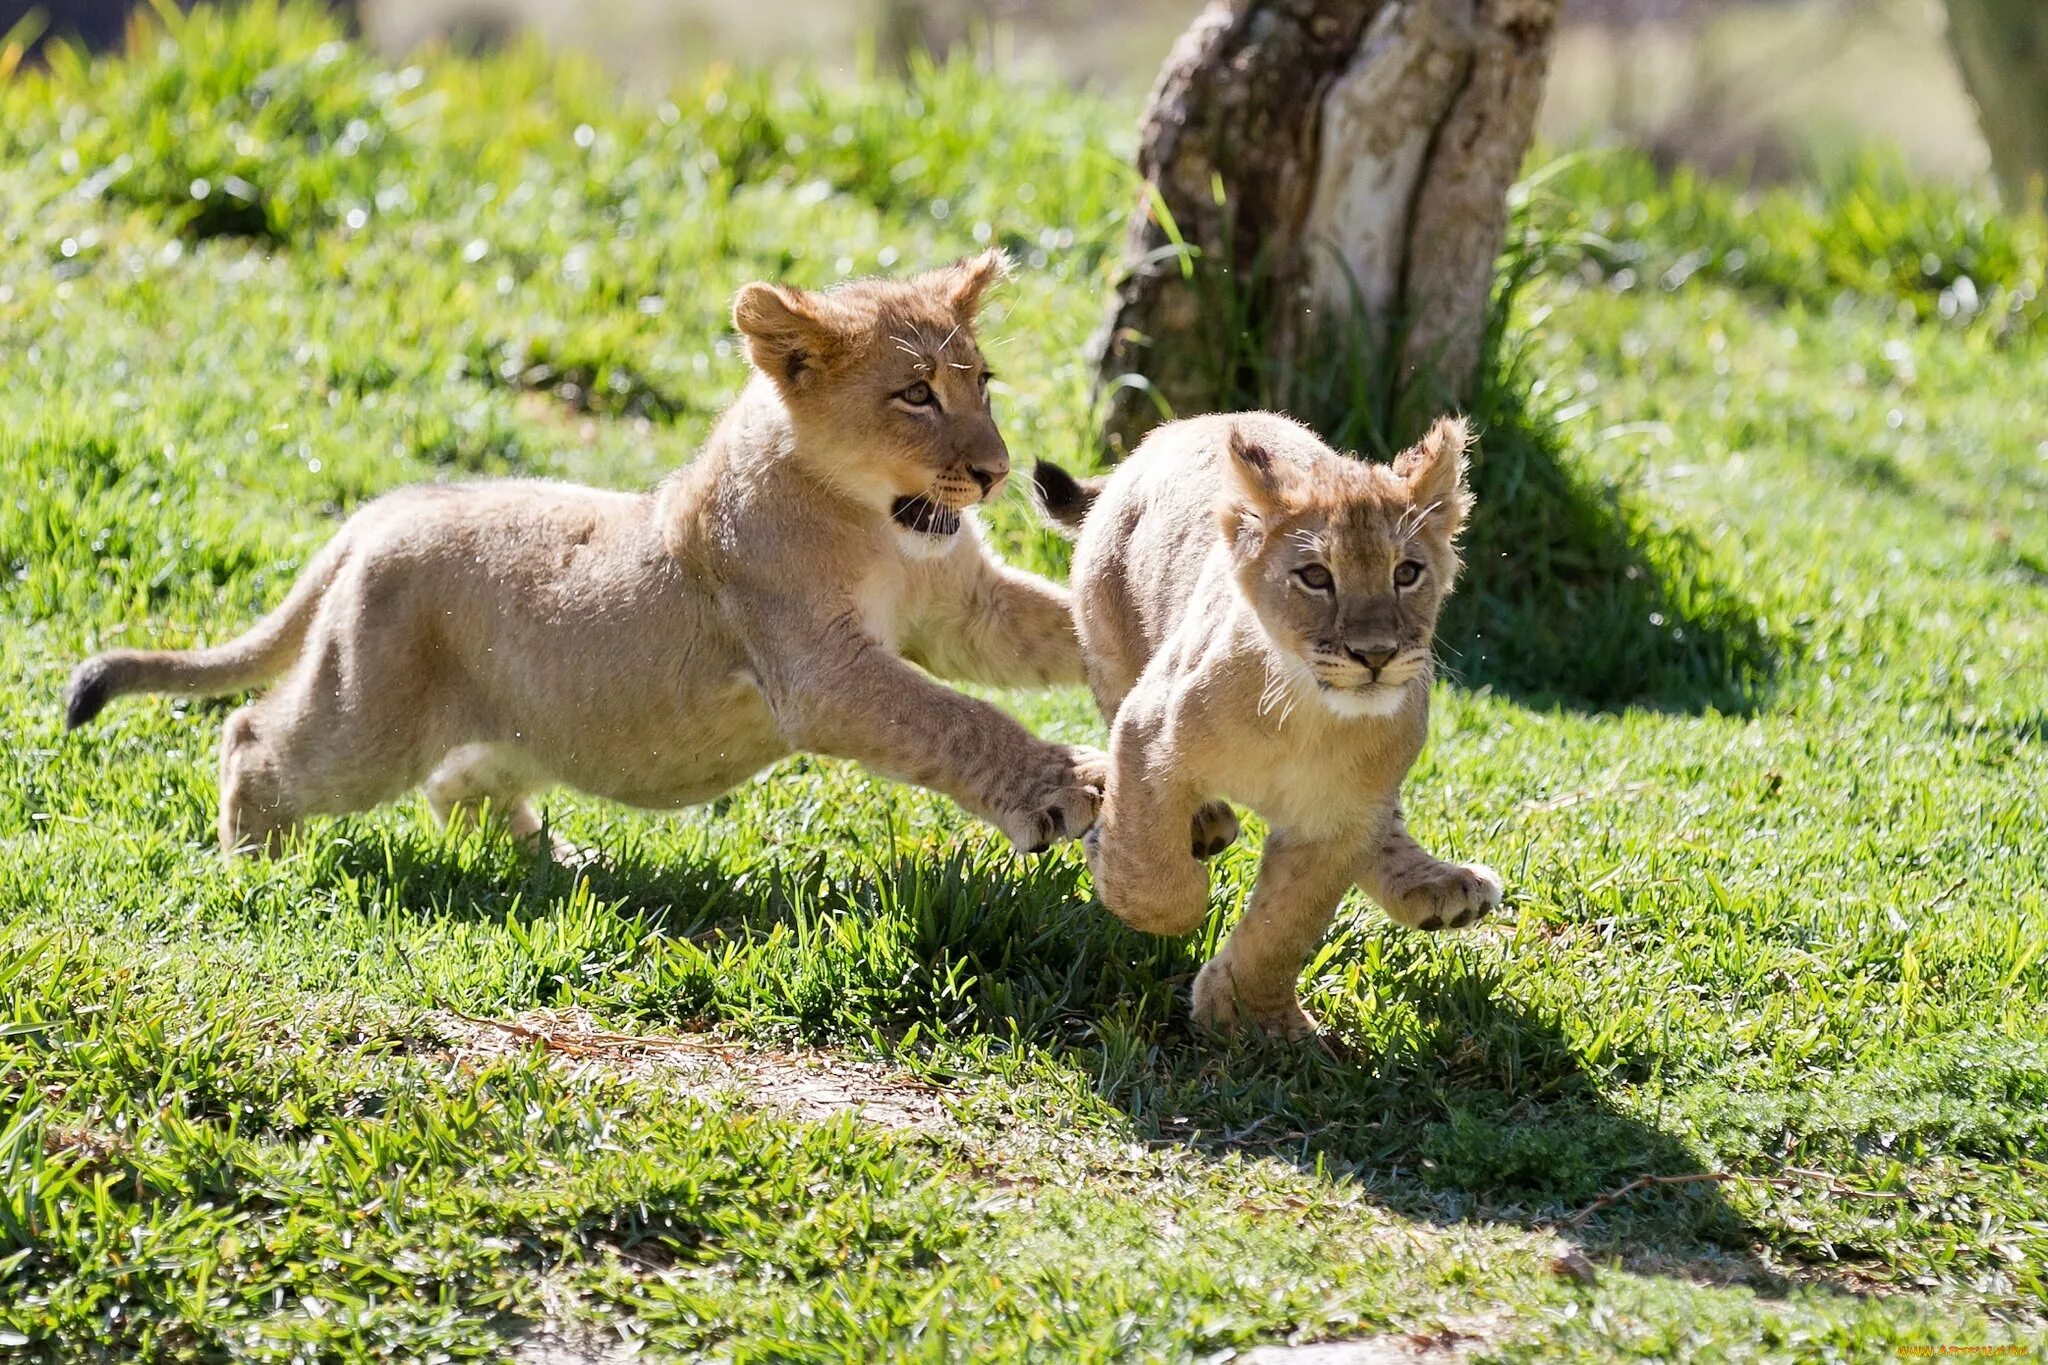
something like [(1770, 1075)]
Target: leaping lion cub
[(492, 639), (1256, 614)]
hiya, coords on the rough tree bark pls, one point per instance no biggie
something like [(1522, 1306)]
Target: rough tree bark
[(2001, 47), (1322, 157)]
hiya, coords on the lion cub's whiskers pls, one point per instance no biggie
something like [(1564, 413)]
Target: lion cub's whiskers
[(1278, 690)]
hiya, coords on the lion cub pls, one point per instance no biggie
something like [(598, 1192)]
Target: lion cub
[(1256, 614), (659, 648)]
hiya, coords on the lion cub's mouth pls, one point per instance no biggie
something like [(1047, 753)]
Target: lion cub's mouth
[(921, 513)]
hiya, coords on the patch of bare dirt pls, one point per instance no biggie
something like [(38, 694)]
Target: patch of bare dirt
[(1453, 1340), (809, 1085), (550, 1348)]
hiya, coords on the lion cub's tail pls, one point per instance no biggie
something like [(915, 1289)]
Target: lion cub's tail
[(259, 654), (1064, 499)]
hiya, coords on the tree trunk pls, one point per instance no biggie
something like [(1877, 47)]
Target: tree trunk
[(1313, 166), (2001, 47)]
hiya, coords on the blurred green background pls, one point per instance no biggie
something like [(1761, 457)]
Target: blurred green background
[(1770, 91), (1773, 90)]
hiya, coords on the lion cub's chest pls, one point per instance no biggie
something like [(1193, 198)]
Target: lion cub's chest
[(1309, 787), (892, 598), (880, 602), (1300, 767)]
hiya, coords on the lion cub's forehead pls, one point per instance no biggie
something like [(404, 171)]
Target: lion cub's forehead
[(911, 323), (1368, 516), (930, 345)]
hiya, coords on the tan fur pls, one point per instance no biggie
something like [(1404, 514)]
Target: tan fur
[(1227, 674), (493, 639)]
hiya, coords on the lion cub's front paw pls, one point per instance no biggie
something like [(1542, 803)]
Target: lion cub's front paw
[(1218, 1004), (1213, 830), (1061, 801), (1447, 896)]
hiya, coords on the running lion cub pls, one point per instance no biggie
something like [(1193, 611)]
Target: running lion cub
[(1256, 615), (659, 648)]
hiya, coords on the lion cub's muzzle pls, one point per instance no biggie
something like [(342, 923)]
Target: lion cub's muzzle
[(936, 511), (921, 513)]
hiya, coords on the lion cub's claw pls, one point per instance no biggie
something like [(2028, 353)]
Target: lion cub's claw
[(1065, 807), (1214, 829), (1449, 896)]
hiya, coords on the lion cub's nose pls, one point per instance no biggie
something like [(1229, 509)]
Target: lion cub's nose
[(1374, 657)]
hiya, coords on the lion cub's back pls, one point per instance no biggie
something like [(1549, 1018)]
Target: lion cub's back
[(1149, 552), (1153, 545)]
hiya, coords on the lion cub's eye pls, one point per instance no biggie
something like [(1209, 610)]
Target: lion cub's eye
[(919, 395), (1315, 578), (1407, 573)]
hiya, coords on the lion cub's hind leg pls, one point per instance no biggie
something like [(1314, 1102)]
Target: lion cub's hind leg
[(284, 758), (1425, 892), (479, 782), (256, 814)]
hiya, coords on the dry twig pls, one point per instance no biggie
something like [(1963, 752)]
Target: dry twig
[(580, 1045)]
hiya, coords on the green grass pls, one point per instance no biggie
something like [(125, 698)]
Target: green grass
[(1754, 660)]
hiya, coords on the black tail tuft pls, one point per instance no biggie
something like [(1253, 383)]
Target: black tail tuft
[(1064, 499), (92, 687)]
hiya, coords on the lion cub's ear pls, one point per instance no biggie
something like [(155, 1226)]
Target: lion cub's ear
[(1257, 484), (789, 332), (1434, 470), (964, 282)]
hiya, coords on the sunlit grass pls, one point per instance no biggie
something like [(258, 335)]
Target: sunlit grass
[(1751, 717)]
